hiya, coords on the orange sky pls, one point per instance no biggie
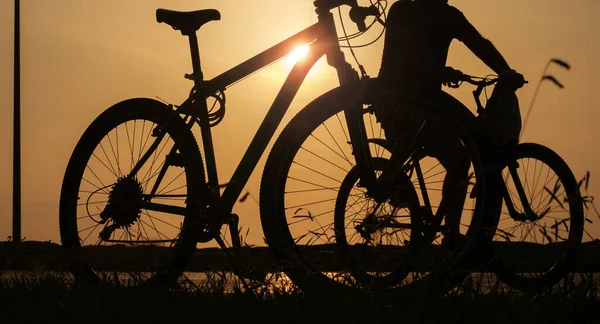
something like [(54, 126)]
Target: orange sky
[(81, 56)]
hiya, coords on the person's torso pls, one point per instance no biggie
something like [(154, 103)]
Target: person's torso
[(416, 45)]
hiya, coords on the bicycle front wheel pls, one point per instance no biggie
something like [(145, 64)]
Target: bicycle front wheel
[(107, 226), (311, 168), (541, 224)]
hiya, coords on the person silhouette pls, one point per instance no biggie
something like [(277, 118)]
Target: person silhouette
[(417, 39)]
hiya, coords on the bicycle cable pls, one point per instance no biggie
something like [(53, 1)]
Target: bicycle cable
[(355, 35), (486, 78), (362, 68), (377, 18)]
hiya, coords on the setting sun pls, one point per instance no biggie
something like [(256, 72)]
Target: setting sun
[(297, 54)]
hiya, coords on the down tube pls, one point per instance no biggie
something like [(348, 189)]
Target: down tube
[(267, 129)]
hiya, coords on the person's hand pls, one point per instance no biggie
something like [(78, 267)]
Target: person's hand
[(451, 77), (512, 79)]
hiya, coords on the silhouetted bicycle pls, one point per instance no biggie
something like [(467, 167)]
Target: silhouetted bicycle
[(534, 216), (540, 223), (137, 178)]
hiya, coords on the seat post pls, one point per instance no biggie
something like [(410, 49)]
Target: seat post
[(197, 70)]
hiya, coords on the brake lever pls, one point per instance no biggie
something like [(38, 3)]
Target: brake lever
[(359, 14)]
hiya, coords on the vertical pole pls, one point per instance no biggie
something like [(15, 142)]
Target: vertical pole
[(16, 236)]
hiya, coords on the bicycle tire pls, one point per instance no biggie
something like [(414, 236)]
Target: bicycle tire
[(368, 267), (558, 205), (299, 262), (101, 140)]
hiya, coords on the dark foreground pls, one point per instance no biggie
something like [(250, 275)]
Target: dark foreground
[(36, 293), (52, 299)]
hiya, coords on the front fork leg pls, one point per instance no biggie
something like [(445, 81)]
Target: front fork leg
[(528, 213), (360, 146)]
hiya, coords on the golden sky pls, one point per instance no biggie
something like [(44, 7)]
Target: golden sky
[(81, 56)]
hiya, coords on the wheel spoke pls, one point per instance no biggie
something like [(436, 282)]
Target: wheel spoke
[(94, 184), (546, 179)]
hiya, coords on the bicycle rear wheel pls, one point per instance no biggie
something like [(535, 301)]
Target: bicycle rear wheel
[(310, 168), (532, 248), (105, 226)]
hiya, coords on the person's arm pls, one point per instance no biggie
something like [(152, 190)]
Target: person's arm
[(479, 45), (485, 50)]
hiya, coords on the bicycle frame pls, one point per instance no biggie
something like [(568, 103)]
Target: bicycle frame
[(323, 41)]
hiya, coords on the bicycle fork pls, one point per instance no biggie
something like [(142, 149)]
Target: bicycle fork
[(528, 214), (353, 111)]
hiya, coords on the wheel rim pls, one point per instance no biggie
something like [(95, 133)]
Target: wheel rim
[(530, 245), (110, 203), (363, 226), (309, 218)]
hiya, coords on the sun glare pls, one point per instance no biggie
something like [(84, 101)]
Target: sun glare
[(297, 54)]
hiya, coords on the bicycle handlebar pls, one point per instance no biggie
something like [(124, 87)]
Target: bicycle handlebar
[(481, 83), (358, 14)]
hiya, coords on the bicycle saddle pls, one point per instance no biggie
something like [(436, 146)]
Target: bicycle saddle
[(187, 22)]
